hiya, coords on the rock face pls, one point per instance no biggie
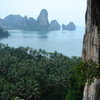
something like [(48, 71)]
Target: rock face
[(92, 91), (54, 25), (91, 40), (71, 27), (91, 46), (42, 20)]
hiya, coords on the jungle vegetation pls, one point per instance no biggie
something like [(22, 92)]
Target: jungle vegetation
[(40, 75)]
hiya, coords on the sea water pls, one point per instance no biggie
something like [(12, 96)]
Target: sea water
[(68, 43)]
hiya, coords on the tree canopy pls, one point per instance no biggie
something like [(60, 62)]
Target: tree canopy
[(35, 74)]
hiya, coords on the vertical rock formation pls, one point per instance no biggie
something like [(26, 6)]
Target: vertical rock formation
[(25, 23), (70, 26), (91, 46), (42, 20), (32, 24), (54, 25)]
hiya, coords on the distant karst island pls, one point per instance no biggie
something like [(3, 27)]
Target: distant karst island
[(3, 33), (41, 24), (71, 26)]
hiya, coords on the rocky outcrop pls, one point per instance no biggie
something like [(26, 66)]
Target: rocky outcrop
[(3, 33), (54, 25), (91, 40), (32, 23), (13, 21), (91, 46), (43, 18), (92, 91), (25, 23), (71, 27), (18, 22)]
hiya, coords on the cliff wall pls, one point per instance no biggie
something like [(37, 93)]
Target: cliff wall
[(91, 46)]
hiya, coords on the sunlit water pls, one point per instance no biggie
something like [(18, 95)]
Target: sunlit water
[(67, 42)]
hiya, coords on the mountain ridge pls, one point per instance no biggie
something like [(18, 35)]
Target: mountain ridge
[(29, 23)]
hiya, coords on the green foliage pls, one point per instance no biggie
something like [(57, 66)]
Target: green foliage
[(81, 73), (75, 90), (88, 71), (34, 74), (39, 75)]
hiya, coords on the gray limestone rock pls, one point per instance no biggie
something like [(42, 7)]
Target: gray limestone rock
[(91, 46), (43, 18), (54, 25), (71, 26)]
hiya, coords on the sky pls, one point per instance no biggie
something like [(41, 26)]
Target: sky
[(63, 11)]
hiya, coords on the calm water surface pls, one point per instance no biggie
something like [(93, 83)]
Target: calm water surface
[(67, 42)]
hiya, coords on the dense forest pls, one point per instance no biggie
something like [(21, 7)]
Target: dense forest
[(39, 75), (3, 33)]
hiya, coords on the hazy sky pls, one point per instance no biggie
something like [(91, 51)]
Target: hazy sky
[(61, 10)]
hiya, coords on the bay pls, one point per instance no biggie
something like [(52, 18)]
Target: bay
[(68, 43)]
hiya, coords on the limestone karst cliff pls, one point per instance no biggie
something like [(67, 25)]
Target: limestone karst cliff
[(91, 46), (70, 26), (54, 25), (25, 23), (43, 18)]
